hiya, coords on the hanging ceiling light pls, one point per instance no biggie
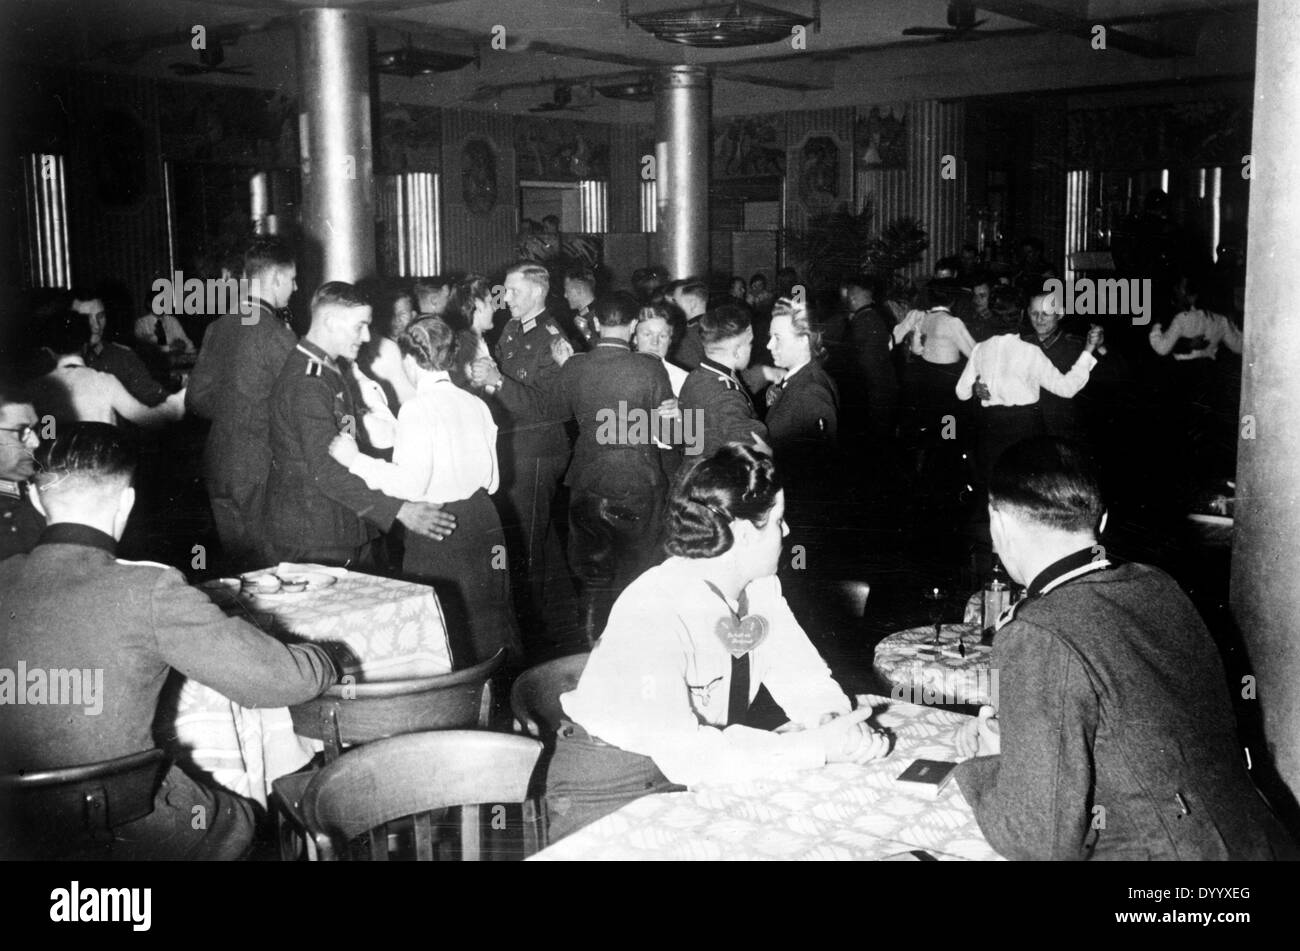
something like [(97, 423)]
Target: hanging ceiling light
[(722, 24)]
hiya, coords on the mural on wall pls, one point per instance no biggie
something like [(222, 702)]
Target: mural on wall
[(748, 146), (228, 124), (820, 173), (560, 150), (880, 138), (1175, 135), (478, 175), (410, 138)]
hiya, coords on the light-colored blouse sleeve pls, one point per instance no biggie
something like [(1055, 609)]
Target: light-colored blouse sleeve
[(408, 475)]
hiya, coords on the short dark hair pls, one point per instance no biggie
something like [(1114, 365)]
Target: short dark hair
[(66, 332), (14, 394), (583, 276), (735, 482), (264, 253), (533, 272), (723, 323), (338, 294), (95, 452), (618, 310), (431, 342), (1049, 481), (862, 281), (758, 276), (693, 288), (431, 284), (1007, 304), (943, 292)]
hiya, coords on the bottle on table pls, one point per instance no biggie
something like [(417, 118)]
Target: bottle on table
[(996, 599)]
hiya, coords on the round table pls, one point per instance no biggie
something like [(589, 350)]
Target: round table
[(908, 661)]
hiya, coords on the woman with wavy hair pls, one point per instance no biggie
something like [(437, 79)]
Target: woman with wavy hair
[(803, 407), (663, 701), (469, 313), (445, 452)]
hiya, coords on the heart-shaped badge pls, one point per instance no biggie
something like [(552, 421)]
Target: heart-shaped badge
[(743, 635)]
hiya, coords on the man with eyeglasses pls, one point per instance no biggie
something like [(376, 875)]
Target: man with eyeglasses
[(20, 523)]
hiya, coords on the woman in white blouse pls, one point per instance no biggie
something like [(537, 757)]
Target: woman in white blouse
[(445, 452), (663, 701)]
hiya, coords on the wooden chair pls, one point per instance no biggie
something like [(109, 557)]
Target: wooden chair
[(350, 714), (347, 715), (72, 812), (388, 789), (535, 697)]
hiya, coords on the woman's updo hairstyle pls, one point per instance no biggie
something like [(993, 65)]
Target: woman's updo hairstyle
[(431, 342), (735, 482), (804, 325)]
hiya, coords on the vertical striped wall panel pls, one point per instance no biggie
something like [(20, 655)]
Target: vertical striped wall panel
[(625, 178), (125, 245), (482, 243), (1047, 182), (934, 130)]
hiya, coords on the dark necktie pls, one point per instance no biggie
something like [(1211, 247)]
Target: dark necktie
[(160, 334), (738, 694), (774, 392)]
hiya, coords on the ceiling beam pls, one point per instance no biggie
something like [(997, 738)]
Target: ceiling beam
[(1060, 21)]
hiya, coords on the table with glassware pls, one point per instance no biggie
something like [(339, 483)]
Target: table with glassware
[(952, 668), (841, 811), (394, 628)]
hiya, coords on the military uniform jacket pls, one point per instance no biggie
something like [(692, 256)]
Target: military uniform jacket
[(231, 385), (1111, 694), (70, 605), (315, 508), (530, 428), (872, 344), (803, 414), (20, 523), (690, 349), (726, 406), (590, 389), (126, 365)]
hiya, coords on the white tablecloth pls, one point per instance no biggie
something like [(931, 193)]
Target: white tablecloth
[(908, 661), (840, 811), (395, 628)]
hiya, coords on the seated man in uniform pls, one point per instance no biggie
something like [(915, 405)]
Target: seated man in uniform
[(1115, 737), (715, 390), (70, 605), (20, 523)]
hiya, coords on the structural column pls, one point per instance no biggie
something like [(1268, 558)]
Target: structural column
[(1266, 550), (334, 140), (683, 103)]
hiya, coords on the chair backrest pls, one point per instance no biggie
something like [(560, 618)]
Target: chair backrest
[(411, 776), (56, 811), (535, 697), (351, 714)]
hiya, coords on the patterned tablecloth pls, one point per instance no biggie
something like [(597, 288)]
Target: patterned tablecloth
[(909, 662), (395, 628), (840, 811)]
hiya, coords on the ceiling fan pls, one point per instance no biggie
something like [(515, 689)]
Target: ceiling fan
[(722, 25), (961, 23), (210, 59)]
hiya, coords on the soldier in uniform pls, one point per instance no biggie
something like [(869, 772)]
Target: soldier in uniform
[(714, 389), (316, 510), (70, 606), (20, 523), (616, 486), (534, 445), (231, 385)]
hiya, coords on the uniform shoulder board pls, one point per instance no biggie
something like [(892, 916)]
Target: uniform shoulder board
[(314, 368), (553, 330)]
